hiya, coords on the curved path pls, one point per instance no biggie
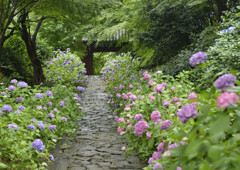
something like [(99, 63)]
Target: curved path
[(98, 145)]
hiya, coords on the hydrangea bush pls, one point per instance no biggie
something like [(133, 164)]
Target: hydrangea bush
[(65, 68), (170, 125), (33, 119)]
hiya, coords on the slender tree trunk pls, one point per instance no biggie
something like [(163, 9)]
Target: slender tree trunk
[(222, 6), (30, 43)]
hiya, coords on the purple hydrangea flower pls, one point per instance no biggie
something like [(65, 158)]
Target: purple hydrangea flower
[(166, 124), (155, 115), (38, 144), (22, 84), (81, 89), (157, 155), (172, 146), (19, 99), (157, 165), (17, 111), (51, 115), (22, 108), (59, 77), (51, 158), (197, 58), (188, 111), (13, 81), (225, 81), (11, 88), (150, 160), (133, 97), (49, 93), (32, 127), (39, 107), (45, 108), (12, 126), (1, 113), (7, 108), (50, 103), (52, 127), (41, 125), (62, 103), (161, 147), (33, 120), (3, 93), (64, 118), (39, 95), (140, 128), (166, 103), (55, 110), (138, 117)]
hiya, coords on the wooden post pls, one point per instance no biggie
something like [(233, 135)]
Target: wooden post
[(88, 60)]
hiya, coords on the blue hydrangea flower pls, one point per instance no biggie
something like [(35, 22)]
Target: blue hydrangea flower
[(39, 95), (52, 127), (38, 144), (188, 111), (11, 88), (7, 108), (3, 93), (32, 127), (51, 158), (22, 84), (225, 81), (1, 113), (41, 125), (12, 126), (22, 108), (17, 111), (81, 89), (19, 99), (197, 58), (13, 81), (49, 93)]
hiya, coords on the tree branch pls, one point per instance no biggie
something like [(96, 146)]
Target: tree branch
[(10, 34), (37, 28)]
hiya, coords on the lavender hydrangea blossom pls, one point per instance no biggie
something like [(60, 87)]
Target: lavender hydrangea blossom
[(140, 128), (49, 93), (52, 127), (166, 124), (22, 84), (138, 117), (13, 81), (197, 58), (81, 89), (39, 95), (38, 144), (19, 99), (188, 111), (12, 126), (225, 81), (7, 108), (41, 125), (32, 127), (11, 88)]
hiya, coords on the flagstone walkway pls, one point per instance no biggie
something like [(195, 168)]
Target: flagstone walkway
[(98, 145)]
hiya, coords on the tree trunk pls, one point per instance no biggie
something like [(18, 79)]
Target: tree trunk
[(38, 76), (222, 6)]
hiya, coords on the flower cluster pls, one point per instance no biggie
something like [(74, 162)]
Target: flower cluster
[(188, 111), (197, 58)]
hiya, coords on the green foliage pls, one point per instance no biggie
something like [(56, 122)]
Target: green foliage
[(14, 60)]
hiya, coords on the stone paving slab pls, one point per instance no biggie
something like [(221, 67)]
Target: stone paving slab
[(97, 146)]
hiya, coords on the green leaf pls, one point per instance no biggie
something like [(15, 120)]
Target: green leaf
[(233, 89), (218, 127), (214, 152), (2, 165), (150, 143)]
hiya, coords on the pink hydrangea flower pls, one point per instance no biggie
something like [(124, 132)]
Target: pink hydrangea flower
[(166, 124), (140, 87), (152, 97), (118, 95), (124, 96), (133, 97), (147, 76), (175, 99), (172, 88), (138, 117), (192, 96), (139, 97), (150, 160), (226, 99), (161, 147), (128, 127), (130, 86), (158, 88), (157, 121), (157, 155), (121, 120), (129, 93), (123, 148), (119, 129), (128, 122), (148, 135), (166, 103), (121, 87), (150, 82), (155, 115), (140, 128)]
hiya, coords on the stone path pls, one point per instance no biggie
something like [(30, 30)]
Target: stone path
[(98, 145)]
